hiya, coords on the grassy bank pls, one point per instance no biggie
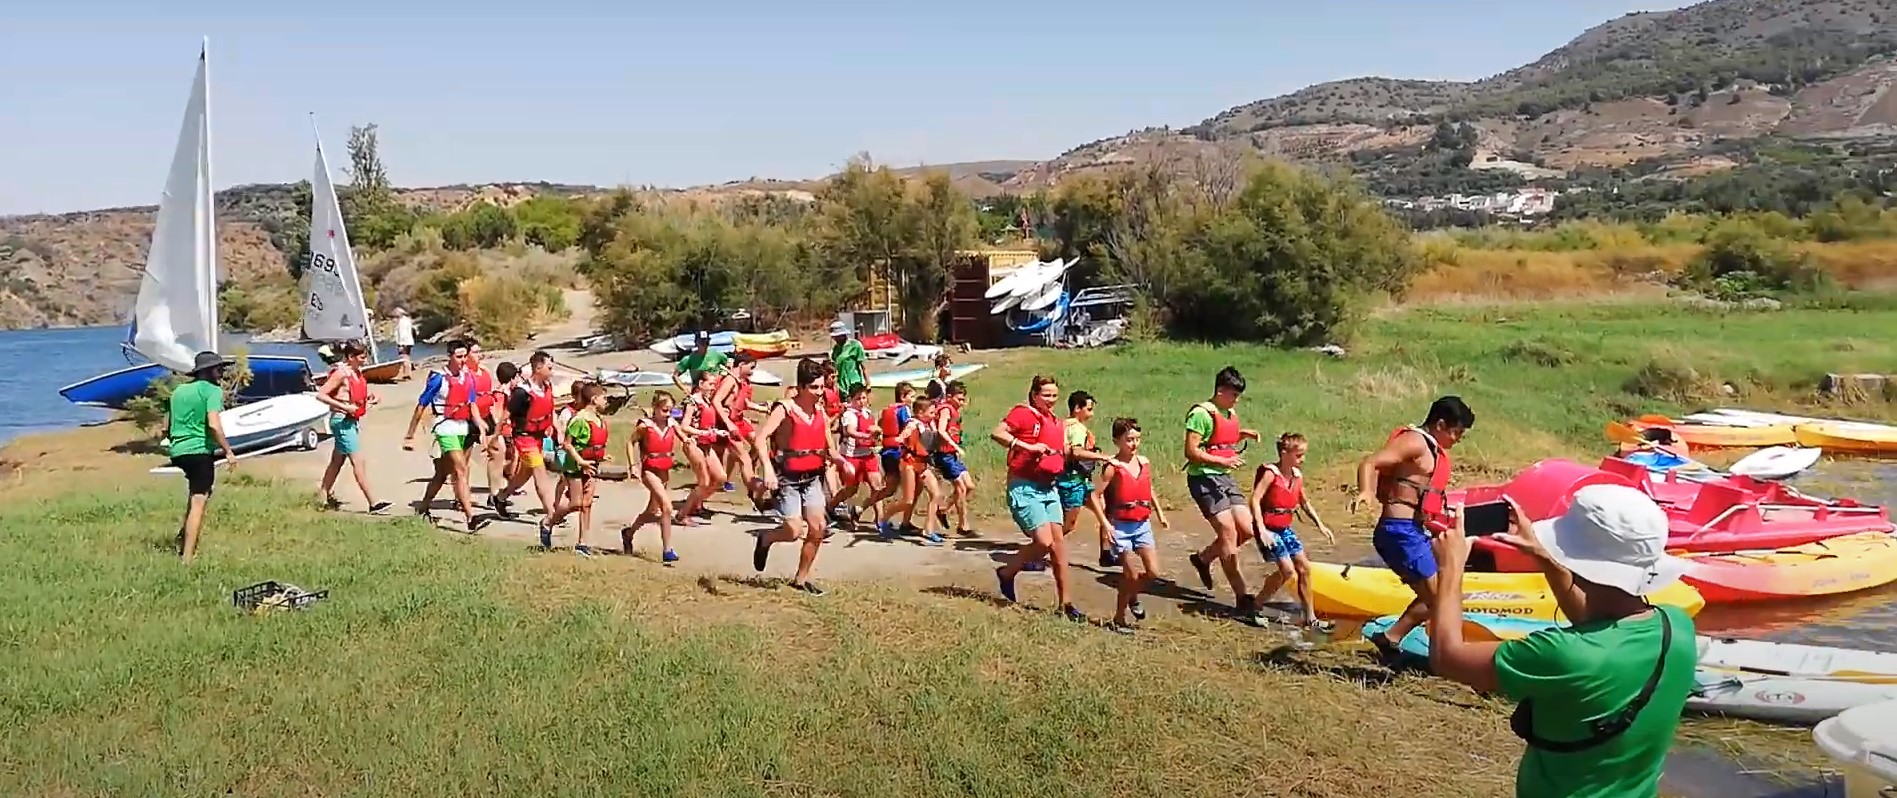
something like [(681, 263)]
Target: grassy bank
[(442, 666), (1496, 273)]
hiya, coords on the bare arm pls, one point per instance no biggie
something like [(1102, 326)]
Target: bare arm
[(1450, 656), (1304, 504), (415, 420), (761, 448), (327, 393), (214, 420), (719, 397)]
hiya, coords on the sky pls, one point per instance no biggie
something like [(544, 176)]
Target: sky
[(683, 93)]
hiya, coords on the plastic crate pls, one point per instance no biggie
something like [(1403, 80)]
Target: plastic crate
[(251, 599)]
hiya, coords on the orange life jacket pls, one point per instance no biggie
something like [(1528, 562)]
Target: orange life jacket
[(358, 391), (1129, 498), (655, 444), (1431, 500), (1279, 505)]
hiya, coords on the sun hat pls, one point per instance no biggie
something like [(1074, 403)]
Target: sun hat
[(206, 361), (838, 328), (1614, 536), (702, 337)]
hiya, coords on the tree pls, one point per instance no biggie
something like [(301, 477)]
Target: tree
[(943, 225)]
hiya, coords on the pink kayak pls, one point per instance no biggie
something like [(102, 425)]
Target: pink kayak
[(1725, 515)]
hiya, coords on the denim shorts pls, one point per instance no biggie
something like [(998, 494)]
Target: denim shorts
[(1130, 535), (801, 496)]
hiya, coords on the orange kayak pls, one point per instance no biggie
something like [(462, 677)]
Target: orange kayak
[(1823, 568), (1710, 436)]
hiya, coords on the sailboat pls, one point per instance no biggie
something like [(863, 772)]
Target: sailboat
[(335, 309), (176, 313)]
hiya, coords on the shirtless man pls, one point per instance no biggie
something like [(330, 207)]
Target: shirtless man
[(1408, 478)]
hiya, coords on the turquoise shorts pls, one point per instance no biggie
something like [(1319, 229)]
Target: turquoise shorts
[(1073, 491), (345, 432), (1033, 505)]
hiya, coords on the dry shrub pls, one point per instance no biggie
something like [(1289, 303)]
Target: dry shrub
[(1388, 384), (1669, 376), (1856, 264)]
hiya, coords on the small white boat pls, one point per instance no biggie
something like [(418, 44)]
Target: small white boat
[(1864, 742), (269, 425), (920, 377), (1777, 462), (663, 379)]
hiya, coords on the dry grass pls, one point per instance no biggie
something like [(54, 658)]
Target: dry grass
[(1461, 273)]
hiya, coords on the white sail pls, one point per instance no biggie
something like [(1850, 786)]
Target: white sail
[(333, 307), (176, 314)]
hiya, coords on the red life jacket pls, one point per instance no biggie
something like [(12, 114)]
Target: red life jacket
[(1224, 438), (1129, 498), (808, 441), (832, 402), (1431, 500), (705, 418), (484, 390), (891, 426), (358, 390), (655, 444), (859, 436), (1279, 505), (950, 418), (595, 448), (1039, 467), (740, 401), (459, 404), (539, 419)]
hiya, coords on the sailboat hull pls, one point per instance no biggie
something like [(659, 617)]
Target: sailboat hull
[(383, 373), (271, 375)]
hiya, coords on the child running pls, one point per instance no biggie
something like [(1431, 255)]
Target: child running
[(347, 393), (1075, 485), (1035, 446), (1128, 492), (949, 464), (1213, 436), (922, 442), (704, 449), (732, 401), (793, 445), (450, 396), (891, 422), (584, 445), (532, 418), (1277, 495), (655, 438), (1409, 479), (856, 439)]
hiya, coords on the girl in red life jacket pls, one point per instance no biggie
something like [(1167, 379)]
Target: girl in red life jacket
[(794, 448), (347, 393), (704, 446), (857, 438), (949, 464), (921, 441), (731, 398), (1126, 490), (653, 449), (1277, 495), (890, 422), (584, 445)]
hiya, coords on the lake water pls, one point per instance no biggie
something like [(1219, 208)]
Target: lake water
[(35, 364)]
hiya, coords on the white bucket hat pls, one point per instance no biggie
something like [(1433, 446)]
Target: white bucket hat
[(839, 328), (1614, 536)]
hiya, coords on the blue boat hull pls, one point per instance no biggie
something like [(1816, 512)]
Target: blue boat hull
[(271, 375)]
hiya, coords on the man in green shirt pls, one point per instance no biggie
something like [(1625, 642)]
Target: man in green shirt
[(193, 427), (1213, 436), (699, 361), (847, 354), (1598, 701)]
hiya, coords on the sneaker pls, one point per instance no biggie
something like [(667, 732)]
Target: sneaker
[(1138, 610), (546, 536), (583, 551), (1006, 584), (500, 507), (1319, 626), (1248, 614), (942, 518), (808, 587), (380, 508), (332, 503), (1120, 628), (1036, 566), (909, 529), (761, 553), (1203, 568), (728, 487), (669, 557), (932, 538), (885, 531), (1073, 613), (1107, 560)]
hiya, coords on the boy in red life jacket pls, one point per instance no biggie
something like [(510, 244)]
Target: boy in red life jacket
[(890, 423), (921, 442), (732, 401), (857, 437), (1213, 438), (653, 450), (1277, 495), (794, 446), (1409, 478), (506, 377), (493, 447), (531, 411), (949, 464), (1126, 489), (451, 397), (347, 393), (584, 444), (704, 449)]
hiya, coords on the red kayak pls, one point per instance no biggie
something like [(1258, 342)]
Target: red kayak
[(1732, 513), (872, 343)]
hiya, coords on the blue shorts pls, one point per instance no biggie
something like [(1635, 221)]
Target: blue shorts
[(1033, 505), (1073, 491), (1130, 535), (1278, 544), (345, 432), (949, 465), (1403, 544), (891, 461)]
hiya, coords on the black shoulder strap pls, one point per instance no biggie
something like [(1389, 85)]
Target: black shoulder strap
[(1603, 729)]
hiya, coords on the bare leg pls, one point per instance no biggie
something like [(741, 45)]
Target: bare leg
[(496, 453), (193, 522), (1057, 554), (360, 466), (1225, 549), (1418, 611), (433, 488), (1098, 507), (963, 486), (813, 543), (458, 461), (326, 492), (1132, 577)]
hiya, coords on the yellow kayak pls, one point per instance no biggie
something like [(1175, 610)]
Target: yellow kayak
[(1848, 437), (767, 340), (1357, 591)]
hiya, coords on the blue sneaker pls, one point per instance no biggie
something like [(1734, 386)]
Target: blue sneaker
[(728, 487), (885, 530), (932, 538), (669, 557), (1007, 585), (1035, 567), (546, 536)]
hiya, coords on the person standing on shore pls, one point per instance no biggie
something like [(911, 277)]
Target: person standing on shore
[(1213, 437), (1597, 701), (846, 353), (793, 445), (347, 393), (1409, 479), (193, 426), (1035, 440), (405, 343), (450, 396), (700, 361)]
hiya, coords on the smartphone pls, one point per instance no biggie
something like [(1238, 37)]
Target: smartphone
[(1487, 518)]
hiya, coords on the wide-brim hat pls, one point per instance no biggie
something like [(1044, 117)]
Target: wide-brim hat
[(205, 361), (1614, 536)]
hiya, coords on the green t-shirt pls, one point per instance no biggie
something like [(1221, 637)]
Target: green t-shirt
[(1199, 419), (713, 361), (191, 407), (848, 358), (1589, 671), (579, 433), (1077, 436)]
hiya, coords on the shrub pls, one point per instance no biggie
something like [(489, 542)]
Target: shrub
[(1741, 260), (151, 411)]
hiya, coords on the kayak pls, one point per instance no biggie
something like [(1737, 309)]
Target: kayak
[(1742, 678), (872, 343), (1355, 591), (921, 377), (1848, 437), (1709, 436), (1824, 568), (675, 347), (1777, 462)]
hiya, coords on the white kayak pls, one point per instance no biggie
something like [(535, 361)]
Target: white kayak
[(921, 377), (1777, 462), (1864, 741), (1793, 658), (1751, 418), (1019, 280), (1788, 682), (663, 379), (1046, 298)]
